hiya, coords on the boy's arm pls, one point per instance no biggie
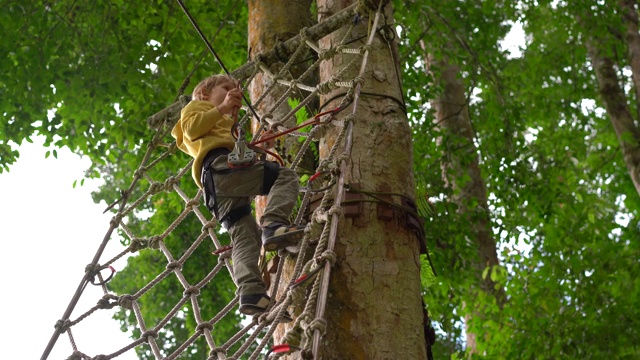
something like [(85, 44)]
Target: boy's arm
[(196, 124)]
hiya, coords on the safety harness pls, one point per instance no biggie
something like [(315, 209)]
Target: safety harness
[(241, 157), (244, 155)]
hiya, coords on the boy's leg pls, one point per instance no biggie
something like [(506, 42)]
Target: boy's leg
[(276, 231), (245, 236), (282, 197), (233, 189), (281, 185), (250, 181)]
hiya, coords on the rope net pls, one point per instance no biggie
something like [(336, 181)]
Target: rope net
[(308, 285)]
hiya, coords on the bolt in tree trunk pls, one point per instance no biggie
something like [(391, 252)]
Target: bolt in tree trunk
[(374, 307)]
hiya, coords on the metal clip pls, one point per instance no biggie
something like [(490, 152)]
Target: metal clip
[(241, 155)]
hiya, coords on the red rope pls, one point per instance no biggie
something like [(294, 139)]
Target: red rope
[(312, 121)]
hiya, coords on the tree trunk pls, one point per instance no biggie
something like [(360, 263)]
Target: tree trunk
[(271, 22), (461, 173), (615, 102), (374, 308), (630, 16)]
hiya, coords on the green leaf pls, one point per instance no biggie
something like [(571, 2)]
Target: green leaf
[(485, 272)]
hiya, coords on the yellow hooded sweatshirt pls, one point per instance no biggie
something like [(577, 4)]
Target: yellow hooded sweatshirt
[(202, 128)]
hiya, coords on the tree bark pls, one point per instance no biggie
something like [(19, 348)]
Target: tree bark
[(374, 307), (461, 173), (271, 23), (630, 16), (615, 102)]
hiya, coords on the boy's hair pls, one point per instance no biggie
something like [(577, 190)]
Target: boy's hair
[(202, 90)]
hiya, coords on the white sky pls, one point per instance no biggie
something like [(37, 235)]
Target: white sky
[(50, 232)]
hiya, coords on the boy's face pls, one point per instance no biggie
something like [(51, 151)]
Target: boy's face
[(219, 92)]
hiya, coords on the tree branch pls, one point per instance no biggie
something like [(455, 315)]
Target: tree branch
[(170, 114)]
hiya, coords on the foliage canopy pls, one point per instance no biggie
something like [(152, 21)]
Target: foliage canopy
[(563, 208)]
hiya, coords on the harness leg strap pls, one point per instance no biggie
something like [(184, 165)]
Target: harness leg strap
[(271, 172), (234, 215)]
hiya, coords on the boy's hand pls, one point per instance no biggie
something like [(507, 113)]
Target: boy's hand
[(269, 143), (232, 101)]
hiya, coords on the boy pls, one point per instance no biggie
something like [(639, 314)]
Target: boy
[(204, 132)]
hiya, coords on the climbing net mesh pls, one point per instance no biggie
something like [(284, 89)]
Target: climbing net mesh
[(307, 291)]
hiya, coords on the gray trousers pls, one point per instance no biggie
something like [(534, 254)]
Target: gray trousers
[(234, 189)]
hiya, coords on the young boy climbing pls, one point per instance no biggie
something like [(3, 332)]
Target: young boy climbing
[(204, 133)]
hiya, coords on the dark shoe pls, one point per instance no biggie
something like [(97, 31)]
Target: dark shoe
[(258, 303), (253, 304), (276, 236)]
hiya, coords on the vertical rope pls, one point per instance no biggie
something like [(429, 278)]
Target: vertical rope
[(324, 289)]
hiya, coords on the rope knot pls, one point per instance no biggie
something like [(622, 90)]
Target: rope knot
[(326, 86), (293, 336), (317, 324), (327, 54), (104, 302), (271, 315), (348, 98), (205, 325), (168, 184), (193, 203), (324, 164), (304, 34), (358, 80), (330, 256), (92, 269), (320, 216), (306, 317), (76, 355), (115, 221), (149, 333), (154, 241), (349, 118), (211, 224), (138, 173), (342, 157), (137, 244), (191, 290), (155, 187), (364, 48), (62, 325), (126, 301), (274, 126), (335, 209), (267, 116), (173, 265), (213, 354), (258, 63)]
